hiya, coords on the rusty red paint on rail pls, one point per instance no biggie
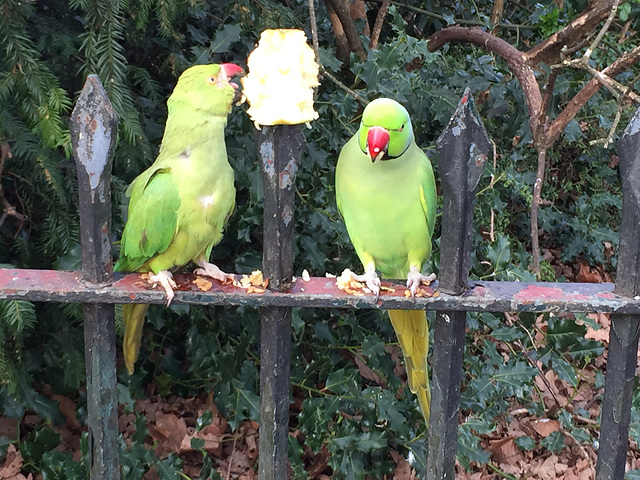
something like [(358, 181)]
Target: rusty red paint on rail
[(319, 292), (535, 292)]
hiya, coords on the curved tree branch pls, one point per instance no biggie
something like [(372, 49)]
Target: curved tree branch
[(552, 51), (515, 60)]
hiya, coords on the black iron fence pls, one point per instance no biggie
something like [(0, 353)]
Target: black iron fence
[(463, 151)]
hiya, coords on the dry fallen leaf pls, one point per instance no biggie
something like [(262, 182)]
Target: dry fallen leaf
[(12, 465), (545, 426)]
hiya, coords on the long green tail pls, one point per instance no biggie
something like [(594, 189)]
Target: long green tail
[(134, 314), (412, 330)]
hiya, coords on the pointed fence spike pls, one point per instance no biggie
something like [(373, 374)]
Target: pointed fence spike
[(463, 149), (93, 129), (624, 333)]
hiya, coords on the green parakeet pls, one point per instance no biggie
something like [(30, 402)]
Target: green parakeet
[(386, 193), (179, 206)]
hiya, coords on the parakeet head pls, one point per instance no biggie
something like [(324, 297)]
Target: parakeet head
[(206, 88), (385, 130)]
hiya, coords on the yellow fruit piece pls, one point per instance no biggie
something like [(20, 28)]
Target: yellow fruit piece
[(281, 78)]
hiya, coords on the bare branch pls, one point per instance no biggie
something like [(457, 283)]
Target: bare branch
[(351, 92), (7, 208), (614, 125), (550, 51), (314, 30), (603, 30), (377, 26), (342, 10), (496, 14), (535, 203), (557, 126)]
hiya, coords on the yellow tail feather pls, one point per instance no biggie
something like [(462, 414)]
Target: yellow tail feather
[(134, 314), (412, 330)]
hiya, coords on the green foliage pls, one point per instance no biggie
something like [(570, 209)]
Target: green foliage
[(138, 48)]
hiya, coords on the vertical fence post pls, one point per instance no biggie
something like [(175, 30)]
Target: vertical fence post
[(279, 151), (623, 337), (93, 135), (463, 149)]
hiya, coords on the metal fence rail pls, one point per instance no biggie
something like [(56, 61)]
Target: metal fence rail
[(463, 150)]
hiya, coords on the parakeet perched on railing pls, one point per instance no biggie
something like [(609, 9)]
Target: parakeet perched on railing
[(386, 193), (180, 204)]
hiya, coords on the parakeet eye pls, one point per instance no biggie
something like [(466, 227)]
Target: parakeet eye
[(211, 80)]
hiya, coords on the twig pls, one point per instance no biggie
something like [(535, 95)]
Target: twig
[(541, 374), (8, 209), (557, 126), (603, 30), (583, 62), (535, 203), (355, 95), (377, 26), (614, 125), (314, 30), (233, 450)]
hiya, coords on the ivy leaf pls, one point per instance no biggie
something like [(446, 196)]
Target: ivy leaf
[(225, 36), (245, 405), (197, 443), (507, 334), (363, 442), (564, 369), (204, 419), (39, 441), (169, 468), (525, 442), (515, 377), (342, 381), (562, 333), (469, 448), (499, 252), (61, 466), (554, 441)]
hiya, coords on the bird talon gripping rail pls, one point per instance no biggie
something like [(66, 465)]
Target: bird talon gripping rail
[(463, 151)]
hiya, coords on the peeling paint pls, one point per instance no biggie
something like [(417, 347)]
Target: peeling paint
[(267, 156), (287, 215), (288, 175)]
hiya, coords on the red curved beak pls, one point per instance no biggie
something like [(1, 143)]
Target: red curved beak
[(231, 69), (377, 142)]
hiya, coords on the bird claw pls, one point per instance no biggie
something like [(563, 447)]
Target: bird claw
[(210, 270), (415, 278), (371, 279), (164, 278)]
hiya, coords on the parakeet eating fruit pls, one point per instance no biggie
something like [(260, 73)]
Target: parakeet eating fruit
[(386, 193), (179, 206)]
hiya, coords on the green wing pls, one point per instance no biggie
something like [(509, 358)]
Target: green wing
[(152, 219), (428, 194)]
